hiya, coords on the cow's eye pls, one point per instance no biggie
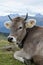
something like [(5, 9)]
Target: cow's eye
[(20, 27)]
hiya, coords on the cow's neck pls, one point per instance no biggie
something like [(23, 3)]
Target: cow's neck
[(28, 30)]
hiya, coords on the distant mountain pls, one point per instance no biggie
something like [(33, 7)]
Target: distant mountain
[(38, 17)]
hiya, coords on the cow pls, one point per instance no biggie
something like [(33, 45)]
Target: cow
[(28, 37)]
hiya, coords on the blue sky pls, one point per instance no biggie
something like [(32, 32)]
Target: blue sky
[(21, 7)]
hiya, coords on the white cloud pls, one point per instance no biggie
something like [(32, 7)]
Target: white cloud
[(21, 6)]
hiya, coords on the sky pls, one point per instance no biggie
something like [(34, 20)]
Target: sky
[(21, 7)]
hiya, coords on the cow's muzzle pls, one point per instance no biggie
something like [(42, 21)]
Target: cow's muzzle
[(11, 39)]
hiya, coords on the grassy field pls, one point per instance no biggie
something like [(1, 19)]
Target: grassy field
[(6, 57)]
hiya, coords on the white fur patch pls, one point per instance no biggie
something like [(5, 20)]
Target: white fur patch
[(16, 56)]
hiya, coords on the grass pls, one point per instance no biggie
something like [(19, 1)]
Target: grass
[(6, 57)]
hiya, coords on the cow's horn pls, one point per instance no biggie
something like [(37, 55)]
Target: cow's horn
[(26, 17), (10, 18)]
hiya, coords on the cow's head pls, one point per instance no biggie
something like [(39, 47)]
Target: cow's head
[(18, 28)]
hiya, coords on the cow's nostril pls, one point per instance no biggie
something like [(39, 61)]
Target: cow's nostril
[(10, 39)]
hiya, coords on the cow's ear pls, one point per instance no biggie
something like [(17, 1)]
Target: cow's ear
[(7, 25), (31, 23)]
